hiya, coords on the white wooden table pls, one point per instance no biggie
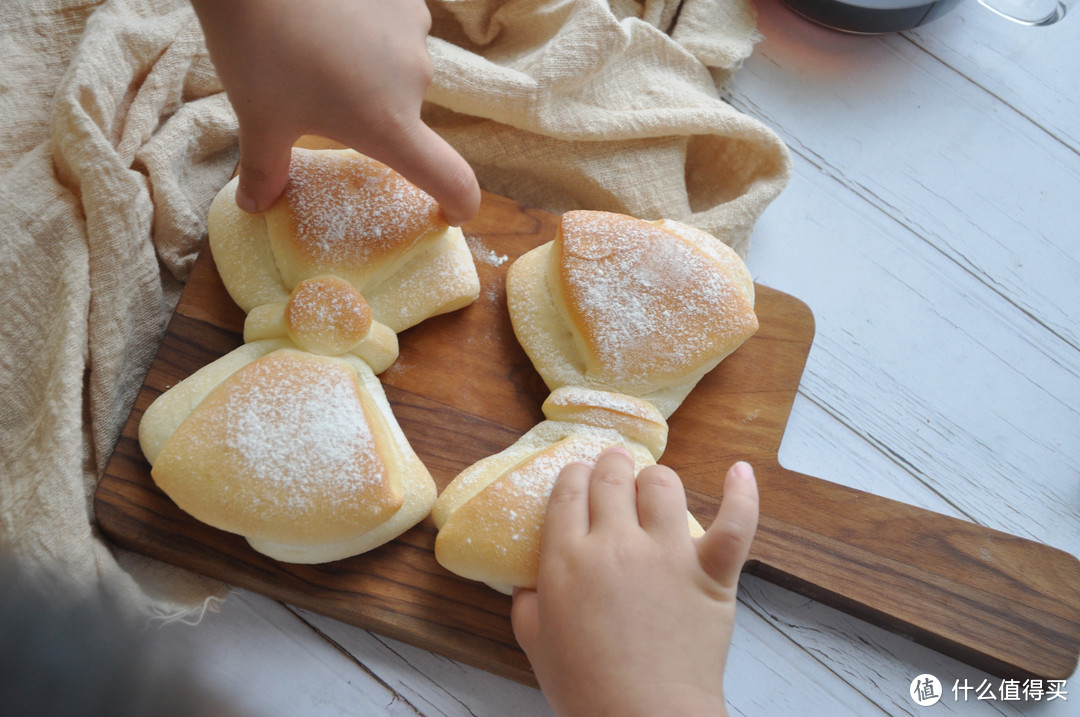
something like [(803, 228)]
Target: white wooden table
[(933, 227)]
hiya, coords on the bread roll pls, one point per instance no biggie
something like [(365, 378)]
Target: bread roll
[(345, 215), (491, 515), (289, 440), (297, 452), (629, 306)]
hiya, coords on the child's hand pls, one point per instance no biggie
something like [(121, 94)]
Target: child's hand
[(354, 71), (632, 616)]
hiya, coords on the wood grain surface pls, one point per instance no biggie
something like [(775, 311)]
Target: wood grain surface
[(463, 389)]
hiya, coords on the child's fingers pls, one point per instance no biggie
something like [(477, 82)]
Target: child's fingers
[(724, 547), (428, 161), (661, 502), (525, 618), (264, 168), (613, 490), (567, 516)]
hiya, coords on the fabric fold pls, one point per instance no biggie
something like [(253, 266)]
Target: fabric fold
[(86, 300), (573, 105)]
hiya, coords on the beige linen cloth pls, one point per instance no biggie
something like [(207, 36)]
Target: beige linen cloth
[(115, 135)]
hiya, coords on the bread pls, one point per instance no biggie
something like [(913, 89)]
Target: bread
[(297, 452), (491, 515), (629, 306), (621, 318), (326, 315), (289, 440), (346, 215)]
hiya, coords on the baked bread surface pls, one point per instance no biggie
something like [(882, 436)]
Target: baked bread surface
[(630, 306), (491, 516), (346, 215), (621, 318), (297, 452)]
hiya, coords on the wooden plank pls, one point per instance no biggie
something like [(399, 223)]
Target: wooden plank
[(952, 323), (865, 554), (428, 681), (758, 679)]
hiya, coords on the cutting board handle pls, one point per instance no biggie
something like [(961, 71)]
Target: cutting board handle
[(1002, 603)]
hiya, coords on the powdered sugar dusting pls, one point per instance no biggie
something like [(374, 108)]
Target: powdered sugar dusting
[(417, 295), (652, 306), (718, 251), (534, 479), (343, 217), (296, 425), (577, 397), (482, 253), (524, 491), (327, 315)]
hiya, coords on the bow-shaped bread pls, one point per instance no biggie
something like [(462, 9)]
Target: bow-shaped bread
[(289, 440), (621, 317)]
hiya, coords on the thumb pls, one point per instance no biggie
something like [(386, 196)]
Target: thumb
[(723, 549), (264, 169), (525, 618), (428, 161)]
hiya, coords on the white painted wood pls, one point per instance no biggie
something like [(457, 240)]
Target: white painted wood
[(928, 365), (758, 677), (945, 358), (258, 658), (769, 674), (941, 156), (432, 684), (933, 226), (878, 664), (1032, 70), (927, 313)]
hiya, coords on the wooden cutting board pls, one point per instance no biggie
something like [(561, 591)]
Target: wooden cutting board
[(463, 389)]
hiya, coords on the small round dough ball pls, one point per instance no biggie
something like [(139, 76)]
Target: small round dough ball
[(327, 315)]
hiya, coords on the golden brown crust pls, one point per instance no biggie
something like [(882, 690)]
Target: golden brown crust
[(346, 214), (345, 208), (493, 536), (290, 448), (289, 440), (326, 315), (490, 517), (299, 453), (628, 306), (647, 305), (631, 417), (621, 318)]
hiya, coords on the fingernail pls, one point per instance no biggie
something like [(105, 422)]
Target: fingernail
[(246, 203), (617, 449), (744, 470), (452, 219)]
